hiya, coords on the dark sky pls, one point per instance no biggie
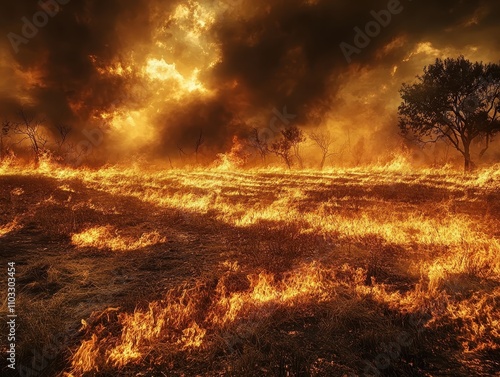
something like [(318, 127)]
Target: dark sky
[(154, 73)]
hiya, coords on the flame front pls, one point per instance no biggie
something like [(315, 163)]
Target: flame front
[(105, 237)]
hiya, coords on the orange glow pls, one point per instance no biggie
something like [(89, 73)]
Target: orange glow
[(245, 188), (361, 213), (170, 320), (8, 228), (160, 70), (106, 237)]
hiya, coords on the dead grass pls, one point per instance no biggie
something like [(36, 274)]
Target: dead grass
[(262, 274)]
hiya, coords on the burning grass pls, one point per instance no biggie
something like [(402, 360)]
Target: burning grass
[(277, 273), (108, 238), (10, 227)]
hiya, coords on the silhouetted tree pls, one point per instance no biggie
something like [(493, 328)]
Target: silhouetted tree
[(31, 130), (281, 148), (63, 147), (63, 131), (199, 143), (258, 143), (323, 140), (295, 136), (456, 100), (181, 152), (291, 138)]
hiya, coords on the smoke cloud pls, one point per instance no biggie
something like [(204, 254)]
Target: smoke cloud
[(155, 75)]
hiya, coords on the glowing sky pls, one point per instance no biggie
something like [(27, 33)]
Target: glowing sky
[(154, 73)]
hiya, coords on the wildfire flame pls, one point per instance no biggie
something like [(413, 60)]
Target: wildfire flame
[(9, 227), (375, 212), (106, 237)]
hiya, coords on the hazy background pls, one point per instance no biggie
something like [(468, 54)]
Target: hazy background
[(154, 74)]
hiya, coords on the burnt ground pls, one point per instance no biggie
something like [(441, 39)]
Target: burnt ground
[(59, 285)]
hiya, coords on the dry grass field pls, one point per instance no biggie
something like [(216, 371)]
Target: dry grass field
[(381, 271)]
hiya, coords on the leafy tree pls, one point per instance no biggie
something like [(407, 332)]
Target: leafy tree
[(291, 138), (295, 137), (281, 148), (455, 100)]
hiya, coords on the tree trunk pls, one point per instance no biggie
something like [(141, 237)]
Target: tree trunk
[(298, 157), (37, 160), (322, 164), (468, 164), (36, 150), (288, 164)]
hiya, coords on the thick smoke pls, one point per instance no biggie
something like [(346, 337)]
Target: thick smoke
[(271, 54), (68, 87)]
